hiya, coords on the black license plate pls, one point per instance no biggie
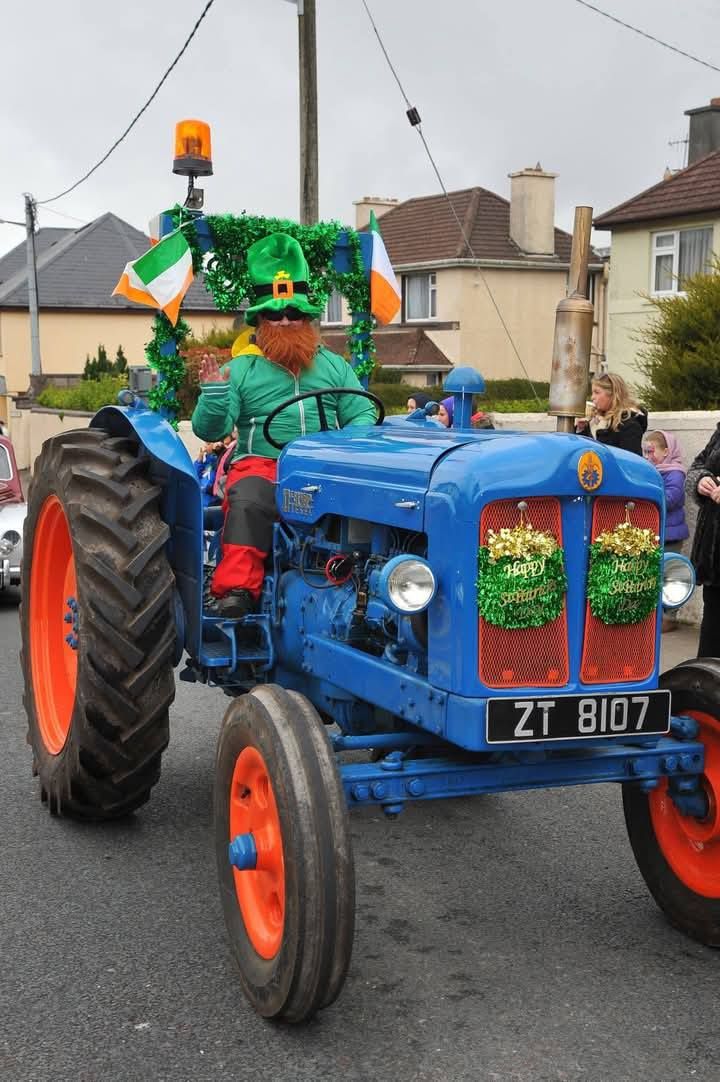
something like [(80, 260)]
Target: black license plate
[(573, 717)]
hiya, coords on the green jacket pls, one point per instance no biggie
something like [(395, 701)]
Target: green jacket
[(257, 385)]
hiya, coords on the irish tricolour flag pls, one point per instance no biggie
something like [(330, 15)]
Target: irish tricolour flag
[(161, 277), (384, 288)]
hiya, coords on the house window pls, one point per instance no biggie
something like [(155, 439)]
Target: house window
[(333, 308), (420, 296), (677, 256)]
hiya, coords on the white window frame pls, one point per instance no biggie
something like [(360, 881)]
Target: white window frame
[(326, 314), (431, 297), (674, 251)]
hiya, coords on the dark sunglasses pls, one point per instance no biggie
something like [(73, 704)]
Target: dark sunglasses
[(275, 315)]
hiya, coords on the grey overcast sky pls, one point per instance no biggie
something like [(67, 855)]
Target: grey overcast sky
[(499, 85)]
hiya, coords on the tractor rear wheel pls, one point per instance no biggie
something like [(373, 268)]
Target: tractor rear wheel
[(97, 625), (288, 895), (679, 855)]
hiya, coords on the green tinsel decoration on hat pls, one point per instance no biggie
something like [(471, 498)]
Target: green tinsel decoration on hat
[(521, 577), (624, 577)]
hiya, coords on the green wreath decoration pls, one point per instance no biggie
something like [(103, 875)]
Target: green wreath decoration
[(227, 278), (521, 579), (624, 577)]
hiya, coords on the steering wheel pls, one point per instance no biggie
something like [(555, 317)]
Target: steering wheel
[(324, 426)]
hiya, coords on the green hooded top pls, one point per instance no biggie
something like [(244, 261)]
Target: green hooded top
[(257, 386)]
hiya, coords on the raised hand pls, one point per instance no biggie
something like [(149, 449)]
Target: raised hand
[(209, 371)]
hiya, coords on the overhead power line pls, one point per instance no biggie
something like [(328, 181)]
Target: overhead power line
[(62, 214), (414, 118), (644, 34), (133, 122)]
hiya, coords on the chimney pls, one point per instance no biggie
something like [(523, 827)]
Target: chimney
[(371, 202), (532, 210), (704, 134)]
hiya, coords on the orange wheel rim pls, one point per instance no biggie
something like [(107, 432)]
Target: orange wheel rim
[(261, 892), (692, 846), (53, 625)]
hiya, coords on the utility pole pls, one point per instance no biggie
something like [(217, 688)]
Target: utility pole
[(307, 54), (36, 370)]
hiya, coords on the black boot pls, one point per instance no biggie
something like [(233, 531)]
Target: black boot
[(231, 606)]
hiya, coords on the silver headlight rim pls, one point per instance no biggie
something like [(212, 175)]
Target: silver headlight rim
[(402, 565), (687, 579)]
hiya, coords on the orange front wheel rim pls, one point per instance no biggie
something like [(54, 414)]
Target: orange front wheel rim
[(692, 846), (261, 891), (54, 625)]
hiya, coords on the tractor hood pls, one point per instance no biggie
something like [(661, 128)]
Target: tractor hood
[(380, 474), (387, 473)]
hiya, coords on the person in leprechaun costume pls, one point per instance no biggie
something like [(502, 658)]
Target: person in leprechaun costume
[(285, 359)]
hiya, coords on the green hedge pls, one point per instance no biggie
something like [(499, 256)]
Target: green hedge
[(90, 395), (497, 399)]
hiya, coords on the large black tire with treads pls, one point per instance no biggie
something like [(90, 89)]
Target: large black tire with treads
[(97, 625), (679, 855), (290, 915)]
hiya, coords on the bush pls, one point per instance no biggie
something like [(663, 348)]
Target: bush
[(500, 390), (100, 366), (681, 356), (382, 374), (216, 338), (89, 395)]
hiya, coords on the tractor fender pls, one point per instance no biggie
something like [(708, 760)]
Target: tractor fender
[(180, 503)]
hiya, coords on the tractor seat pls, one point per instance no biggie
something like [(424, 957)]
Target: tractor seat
[(213, 517)]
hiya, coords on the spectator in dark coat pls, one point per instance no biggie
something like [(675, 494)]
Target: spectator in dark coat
[(615, 419), (702, 485), (663, 450)]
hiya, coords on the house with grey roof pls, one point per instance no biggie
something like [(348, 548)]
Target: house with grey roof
[(77, 270), (662, 236), (472, 261)]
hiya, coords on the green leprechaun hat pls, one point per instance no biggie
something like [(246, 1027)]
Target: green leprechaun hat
[(279, 274)]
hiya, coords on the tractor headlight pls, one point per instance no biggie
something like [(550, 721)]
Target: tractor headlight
[(407, 584), (8, 541), (678, 580)]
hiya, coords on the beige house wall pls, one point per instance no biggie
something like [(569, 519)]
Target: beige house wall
[(629, 313), (67, 337), (527, 300)]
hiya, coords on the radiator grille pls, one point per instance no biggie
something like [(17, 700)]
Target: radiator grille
[(615, 653), (525, 657)]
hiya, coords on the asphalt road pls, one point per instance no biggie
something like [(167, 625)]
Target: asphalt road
[(509, 937)]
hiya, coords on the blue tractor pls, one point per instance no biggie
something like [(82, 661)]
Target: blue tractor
[(441, 603)]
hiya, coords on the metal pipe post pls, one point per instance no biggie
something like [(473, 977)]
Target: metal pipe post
[(580, 253)]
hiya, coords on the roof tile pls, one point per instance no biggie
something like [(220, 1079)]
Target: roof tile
[(79, 268), (695, 190), (426, 229)]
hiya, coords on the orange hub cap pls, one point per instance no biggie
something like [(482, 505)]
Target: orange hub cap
[(53, 659), (692, 846), (261, 892)]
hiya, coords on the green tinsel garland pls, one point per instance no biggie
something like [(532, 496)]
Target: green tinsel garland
[(170, 367), (227, 278), (623, 589), (521, 591)]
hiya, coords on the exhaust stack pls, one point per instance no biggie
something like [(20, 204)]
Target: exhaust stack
[(573, 333)]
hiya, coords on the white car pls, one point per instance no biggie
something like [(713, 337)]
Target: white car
[(12, 517)]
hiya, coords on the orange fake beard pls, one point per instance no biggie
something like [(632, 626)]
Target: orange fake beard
[(293, 346)]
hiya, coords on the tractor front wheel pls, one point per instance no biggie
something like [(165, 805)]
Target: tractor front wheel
[(679, 855), (284, 854), (97, 625)]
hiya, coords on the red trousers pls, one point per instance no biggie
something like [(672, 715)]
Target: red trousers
[(249, 508)]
